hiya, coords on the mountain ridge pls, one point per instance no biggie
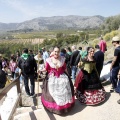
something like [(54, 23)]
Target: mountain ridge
[(56, 22)]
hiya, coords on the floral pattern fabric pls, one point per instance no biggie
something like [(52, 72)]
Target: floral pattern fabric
[(91, 97)]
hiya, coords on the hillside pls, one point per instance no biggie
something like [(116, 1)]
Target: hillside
[(56, 23)]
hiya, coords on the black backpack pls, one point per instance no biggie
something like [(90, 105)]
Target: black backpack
[(26, 65)]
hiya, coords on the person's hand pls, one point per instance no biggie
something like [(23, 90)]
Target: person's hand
[(79, 64), (39, 71)]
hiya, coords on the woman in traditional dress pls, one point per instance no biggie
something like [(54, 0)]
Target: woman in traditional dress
[(58, 91), (88, 87)]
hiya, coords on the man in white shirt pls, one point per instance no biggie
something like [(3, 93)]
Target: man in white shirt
[(45, 54)]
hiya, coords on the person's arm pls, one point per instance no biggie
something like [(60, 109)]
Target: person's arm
[(71, 59), (67, 56), (115, 58), (113, 62), (19, 62), (105, 45), (81, 64), (78, 59)]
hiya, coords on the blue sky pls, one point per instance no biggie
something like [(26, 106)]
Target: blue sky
[(22, 10)]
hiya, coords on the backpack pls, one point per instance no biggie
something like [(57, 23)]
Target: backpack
[(26, 65)]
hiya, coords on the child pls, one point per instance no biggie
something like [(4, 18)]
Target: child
[(13, 66)]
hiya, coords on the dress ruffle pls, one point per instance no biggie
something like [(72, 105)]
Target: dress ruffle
[(91, 97), (54, 106)]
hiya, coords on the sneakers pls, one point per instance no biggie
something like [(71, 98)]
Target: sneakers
[(33, 95), (118, 101), (28, 95), (112, 89)]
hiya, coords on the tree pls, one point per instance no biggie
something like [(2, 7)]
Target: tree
[(87, 36), (59, 35), (82, 35), (112, 23)]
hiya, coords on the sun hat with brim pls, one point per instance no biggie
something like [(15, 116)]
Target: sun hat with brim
[(115, 39)]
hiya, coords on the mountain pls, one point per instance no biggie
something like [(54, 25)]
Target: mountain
[(8, 26), (56, 22)]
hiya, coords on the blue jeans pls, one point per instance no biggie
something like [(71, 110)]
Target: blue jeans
[(21, 79), (74, 70), (16, 73), (113, 76), (26, 83), (117, 89)]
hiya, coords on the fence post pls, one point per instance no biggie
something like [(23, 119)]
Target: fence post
[(19, 91)]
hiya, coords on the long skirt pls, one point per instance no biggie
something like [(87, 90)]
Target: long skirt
[(58, 94), (89, 89)]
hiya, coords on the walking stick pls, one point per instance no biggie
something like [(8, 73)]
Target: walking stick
[(38, 93), (38, 76), (38, 83)]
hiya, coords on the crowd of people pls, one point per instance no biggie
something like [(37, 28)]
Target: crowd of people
[(70, 73)]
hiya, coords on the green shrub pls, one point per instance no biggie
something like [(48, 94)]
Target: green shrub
[(110, 35)]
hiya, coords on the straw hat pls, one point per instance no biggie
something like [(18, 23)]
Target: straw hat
[(115, 39)]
